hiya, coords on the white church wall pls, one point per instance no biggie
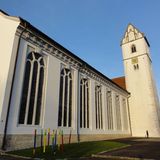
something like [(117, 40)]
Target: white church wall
[(51, 103), (124, 115), (114, 110), (52, 92), (7, 40), (92, 129), (92, 105), (104, 107), (13, 126)]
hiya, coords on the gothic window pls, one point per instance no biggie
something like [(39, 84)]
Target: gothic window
[(65, 99), (84, 103), (32, 99), (125, 119), (98, 107), (109, 110), (133, 48), (118, 113)]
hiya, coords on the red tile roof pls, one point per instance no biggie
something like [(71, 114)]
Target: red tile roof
[(120, 81)]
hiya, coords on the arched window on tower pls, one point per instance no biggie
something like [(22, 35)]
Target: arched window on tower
[(133, 48), (33, 89)]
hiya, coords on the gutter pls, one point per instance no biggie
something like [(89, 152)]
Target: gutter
[(11, 91)]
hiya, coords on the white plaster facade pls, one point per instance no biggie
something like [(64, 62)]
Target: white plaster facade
[(17, 36), (7, 41)]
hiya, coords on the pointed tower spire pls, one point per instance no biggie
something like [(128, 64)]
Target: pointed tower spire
[(132, 34)]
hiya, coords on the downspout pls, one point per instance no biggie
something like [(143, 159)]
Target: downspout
[(129, 114), (11, 91), (78, 101)]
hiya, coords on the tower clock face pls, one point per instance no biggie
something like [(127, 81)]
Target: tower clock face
[(134, 60)]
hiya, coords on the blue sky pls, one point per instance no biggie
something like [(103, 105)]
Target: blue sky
[(92, 29)]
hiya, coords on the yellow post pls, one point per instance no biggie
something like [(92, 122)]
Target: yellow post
[(59, 139), (44, 141), (48, 136)]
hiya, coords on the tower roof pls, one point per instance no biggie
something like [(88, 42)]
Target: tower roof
[(132, 34)]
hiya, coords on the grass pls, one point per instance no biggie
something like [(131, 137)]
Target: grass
[(74, 150)]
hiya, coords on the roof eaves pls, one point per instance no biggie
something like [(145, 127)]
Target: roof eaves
[(30, 26)]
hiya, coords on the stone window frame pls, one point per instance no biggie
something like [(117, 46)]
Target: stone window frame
[(98, 107), (30, 112), (65, 108), (84, 103), (110, 123)]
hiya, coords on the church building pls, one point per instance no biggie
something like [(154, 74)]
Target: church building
[(43, 85)]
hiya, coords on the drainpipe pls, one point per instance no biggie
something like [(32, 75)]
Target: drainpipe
[(78, 109), (11, 91), (129, 114)]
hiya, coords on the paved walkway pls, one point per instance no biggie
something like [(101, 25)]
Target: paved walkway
[(140, 148)]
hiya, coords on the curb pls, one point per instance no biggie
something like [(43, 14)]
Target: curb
[(23, 157), (17, 156), (117, 157), (114, 149)]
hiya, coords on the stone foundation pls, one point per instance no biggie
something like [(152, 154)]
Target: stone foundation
[(99, 137), (15, 142)]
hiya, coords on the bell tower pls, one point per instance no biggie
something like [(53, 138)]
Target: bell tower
[(143, 102)]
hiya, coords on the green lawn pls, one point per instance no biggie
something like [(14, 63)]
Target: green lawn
[(83, 149)]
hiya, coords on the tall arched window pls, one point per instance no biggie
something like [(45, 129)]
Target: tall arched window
[(118, 113), (98, 107), (84, 103), (65, 99), (109, 110), (133, 48), (32, 99)]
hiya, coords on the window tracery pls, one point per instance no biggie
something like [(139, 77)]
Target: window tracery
[(84, 103), (98, 107), (65, 99), (33, 88)]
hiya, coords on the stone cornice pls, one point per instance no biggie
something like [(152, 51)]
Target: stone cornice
[(101, 80), (53, 50), (49, 48)]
